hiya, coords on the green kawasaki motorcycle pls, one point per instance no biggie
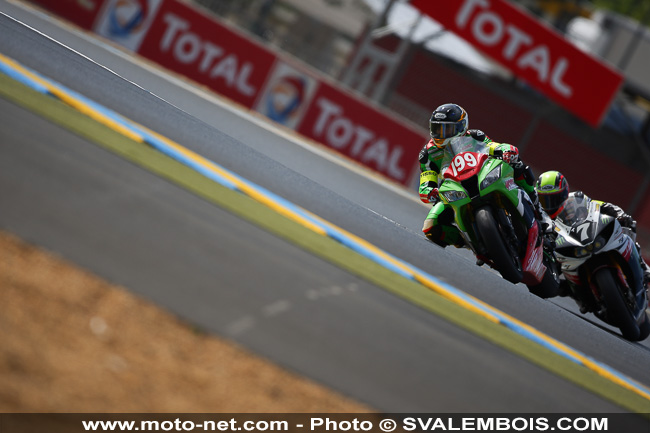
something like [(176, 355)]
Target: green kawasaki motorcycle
[(496, 218)]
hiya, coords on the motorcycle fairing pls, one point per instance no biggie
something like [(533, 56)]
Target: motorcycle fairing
[(477, 177), (532, 264), (583, 233), (472, 176)]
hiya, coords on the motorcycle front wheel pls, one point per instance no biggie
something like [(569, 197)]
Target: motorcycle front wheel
[(495, 242), (618, 311)]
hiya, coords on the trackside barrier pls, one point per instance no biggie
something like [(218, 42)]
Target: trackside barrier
[(307, 219), (187, 41)]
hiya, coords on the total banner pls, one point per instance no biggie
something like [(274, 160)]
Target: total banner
[(193, 44), (363, 133), (196, 46), (533, 52)]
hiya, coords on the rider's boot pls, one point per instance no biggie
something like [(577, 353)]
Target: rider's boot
[(646, 273), (644, 265), (443, 235), (433, 233)]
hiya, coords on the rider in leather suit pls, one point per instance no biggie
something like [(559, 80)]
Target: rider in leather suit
[(553, 190), (449, 122)]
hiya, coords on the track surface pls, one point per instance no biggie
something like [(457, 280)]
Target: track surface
[(236, 280)]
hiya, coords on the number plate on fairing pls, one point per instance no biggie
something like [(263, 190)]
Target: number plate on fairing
[(465, 165)]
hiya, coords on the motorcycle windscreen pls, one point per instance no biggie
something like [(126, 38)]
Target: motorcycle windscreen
[(575, 210), (459, 145)]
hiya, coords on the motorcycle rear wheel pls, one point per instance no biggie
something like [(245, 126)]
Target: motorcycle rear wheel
[(618, 312), (509, 267)]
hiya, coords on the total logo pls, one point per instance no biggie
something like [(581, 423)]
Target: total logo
[(127, 16), (285, 98), (287, 95), (127, 21)]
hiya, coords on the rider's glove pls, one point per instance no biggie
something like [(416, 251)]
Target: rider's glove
[(434, 195), (510, 156), (627, 221)]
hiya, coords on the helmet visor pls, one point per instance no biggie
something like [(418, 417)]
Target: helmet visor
[(442, 130), (552, 201)]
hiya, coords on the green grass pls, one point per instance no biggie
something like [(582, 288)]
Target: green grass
[(316, 244)]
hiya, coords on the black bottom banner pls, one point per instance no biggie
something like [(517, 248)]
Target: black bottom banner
[(376, 423)]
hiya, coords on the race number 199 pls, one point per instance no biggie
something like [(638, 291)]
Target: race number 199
[(462, 161)]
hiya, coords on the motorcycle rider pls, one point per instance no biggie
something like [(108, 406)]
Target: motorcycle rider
[(553, 192), (449, 122)]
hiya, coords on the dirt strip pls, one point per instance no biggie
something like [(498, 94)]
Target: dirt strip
[(72, 342)]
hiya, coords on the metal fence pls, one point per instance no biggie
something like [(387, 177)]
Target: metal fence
[(289, 27)]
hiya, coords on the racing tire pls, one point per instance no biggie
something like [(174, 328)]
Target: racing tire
[(509, 267), (618, 311)]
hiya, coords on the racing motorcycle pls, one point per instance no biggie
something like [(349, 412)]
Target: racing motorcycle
[(601, 264), (490, 212)]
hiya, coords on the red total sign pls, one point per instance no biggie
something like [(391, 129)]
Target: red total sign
[(361, 132), (533, 52), (199, 47)]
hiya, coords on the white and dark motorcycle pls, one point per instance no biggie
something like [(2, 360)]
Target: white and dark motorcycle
[(600, 261)]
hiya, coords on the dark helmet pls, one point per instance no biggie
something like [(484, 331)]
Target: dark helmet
[(552, 190), (446, 122)]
